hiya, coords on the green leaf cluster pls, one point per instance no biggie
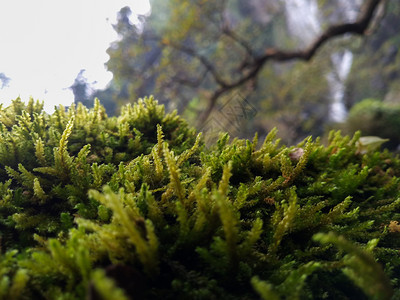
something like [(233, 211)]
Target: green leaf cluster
[(136, 207)]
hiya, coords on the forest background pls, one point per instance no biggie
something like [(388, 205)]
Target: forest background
[(185, 53)]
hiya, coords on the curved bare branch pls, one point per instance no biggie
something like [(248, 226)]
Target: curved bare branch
[(359, 27)]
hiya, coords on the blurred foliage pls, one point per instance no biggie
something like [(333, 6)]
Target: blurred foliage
[(4, 80), (376, 68), (135, 207), (162, 56), (376, 118)]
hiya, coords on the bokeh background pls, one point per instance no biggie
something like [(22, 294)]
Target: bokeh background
[(177, 50)]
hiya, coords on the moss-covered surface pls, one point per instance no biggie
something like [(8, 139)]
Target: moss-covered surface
[(135, 207)]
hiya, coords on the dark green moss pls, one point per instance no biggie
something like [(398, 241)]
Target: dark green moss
[(135, 207)]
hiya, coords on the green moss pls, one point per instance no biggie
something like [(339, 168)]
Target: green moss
[(135, 207), (376, 118)]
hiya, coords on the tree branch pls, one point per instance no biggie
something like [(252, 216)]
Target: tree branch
[(205, 62), (193, 83), (359, 27)]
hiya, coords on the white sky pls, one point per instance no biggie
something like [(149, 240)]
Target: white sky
[(45, 43)]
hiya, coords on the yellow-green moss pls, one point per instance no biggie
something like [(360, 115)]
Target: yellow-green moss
[(135, 207)]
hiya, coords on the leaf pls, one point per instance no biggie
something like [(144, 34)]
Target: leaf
[(369, 144)]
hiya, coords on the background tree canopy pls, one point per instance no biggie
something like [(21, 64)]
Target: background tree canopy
[(198, 55)]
